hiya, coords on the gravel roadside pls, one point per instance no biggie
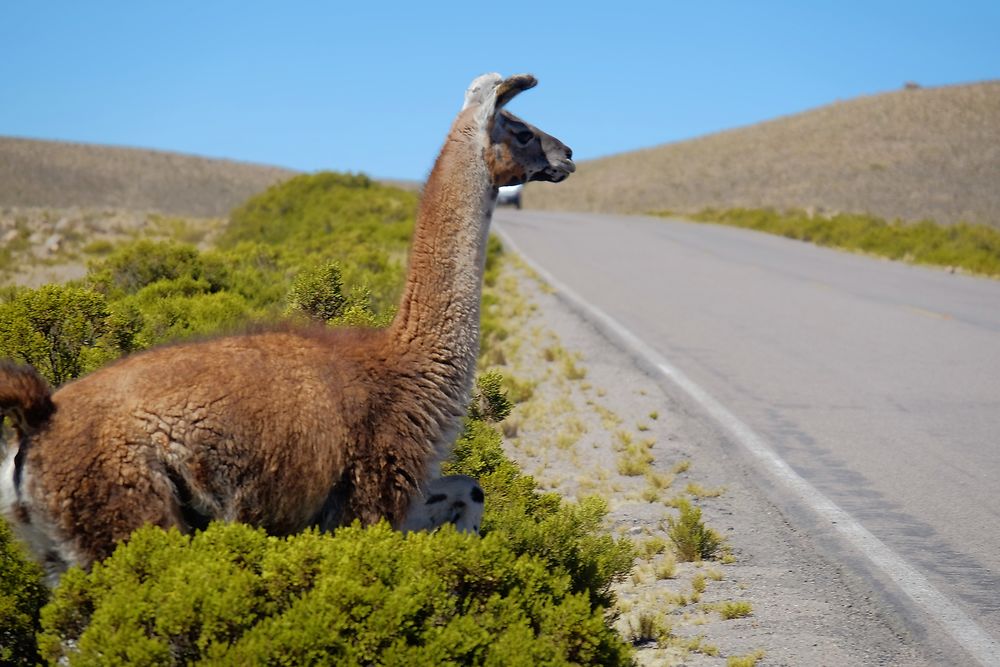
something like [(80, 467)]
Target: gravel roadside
[(592, 422)]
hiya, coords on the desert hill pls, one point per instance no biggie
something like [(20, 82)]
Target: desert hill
[(55, 174), (912, 154)]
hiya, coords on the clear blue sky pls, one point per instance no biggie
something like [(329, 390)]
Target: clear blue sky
[(332, 85)]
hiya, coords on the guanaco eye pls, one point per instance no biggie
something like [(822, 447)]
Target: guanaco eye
[(524, 136)]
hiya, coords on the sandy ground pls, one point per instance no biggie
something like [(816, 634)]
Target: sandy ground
[(591, 409)]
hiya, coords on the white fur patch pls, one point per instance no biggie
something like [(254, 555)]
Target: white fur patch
[(454, 499), (481, 89), (38, 534), (8, 494), (482, 92)]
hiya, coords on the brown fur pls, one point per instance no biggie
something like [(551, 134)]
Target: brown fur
[(24, 395), (283, 428)]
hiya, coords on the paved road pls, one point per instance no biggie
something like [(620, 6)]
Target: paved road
[(878, 382)]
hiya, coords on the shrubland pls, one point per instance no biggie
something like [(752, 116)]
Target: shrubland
[(972, 248), (535, 589), (22, 595)]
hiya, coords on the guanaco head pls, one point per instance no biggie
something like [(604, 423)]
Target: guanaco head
[(516, 151), (454, 499)]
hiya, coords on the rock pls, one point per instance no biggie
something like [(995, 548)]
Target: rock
[(53, 244), (62, 225), (9, 236)]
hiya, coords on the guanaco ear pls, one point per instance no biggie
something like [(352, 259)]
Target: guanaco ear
[(490, 92), (482, 92), (510, 87)]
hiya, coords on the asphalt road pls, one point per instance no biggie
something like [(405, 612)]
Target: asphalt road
[(877, 382)]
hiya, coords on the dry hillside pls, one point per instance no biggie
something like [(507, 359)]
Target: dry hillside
[(912, 154), (55, 174)]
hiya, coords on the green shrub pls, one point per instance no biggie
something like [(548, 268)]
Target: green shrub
[(489, 400), (363, 226), (135, 265), (975, 248), (567, 536), (318, 292), (360, 311), (692, 539), (361, 596), (22, 595), (259, 273), (98, 247), (168, 311), (492, 332), (492, 322), (494, 251), (309, 208), (61, 330), (162, 291)]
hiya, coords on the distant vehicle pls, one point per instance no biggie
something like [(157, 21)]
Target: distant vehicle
[(510, 194)]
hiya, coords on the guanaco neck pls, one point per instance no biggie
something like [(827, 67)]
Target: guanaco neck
[(439, 313)]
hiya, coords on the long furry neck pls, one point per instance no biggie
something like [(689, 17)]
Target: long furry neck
[(439, 312)]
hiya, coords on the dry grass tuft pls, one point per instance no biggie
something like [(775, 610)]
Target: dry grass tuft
[(745, 660)]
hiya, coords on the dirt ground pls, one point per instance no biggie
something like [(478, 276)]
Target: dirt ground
[(593, 415)]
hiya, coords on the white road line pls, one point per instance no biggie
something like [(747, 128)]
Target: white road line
[(935, 604)]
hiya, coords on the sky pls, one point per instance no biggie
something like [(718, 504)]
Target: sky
[(374, 88)]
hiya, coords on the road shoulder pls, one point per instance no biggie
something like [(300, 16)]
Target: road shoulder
[(590, 405)]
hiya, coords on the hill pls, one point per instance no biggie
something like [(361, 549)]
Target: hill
[(912, 154), (55, 174)]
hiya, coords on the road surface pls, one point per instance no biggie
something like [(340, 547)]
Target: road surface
[(878, 383)]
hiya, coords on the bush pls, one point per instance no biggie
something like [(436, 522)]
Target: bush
[(975, 248), (310, 208), (491, 270), (140, 263), (61, 330), (257, 272), (174, 309), (567, 536), (162, 291), (326, 217), (692, 539), (234, 595), (489, 400), (318, 292), (22, 594)]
